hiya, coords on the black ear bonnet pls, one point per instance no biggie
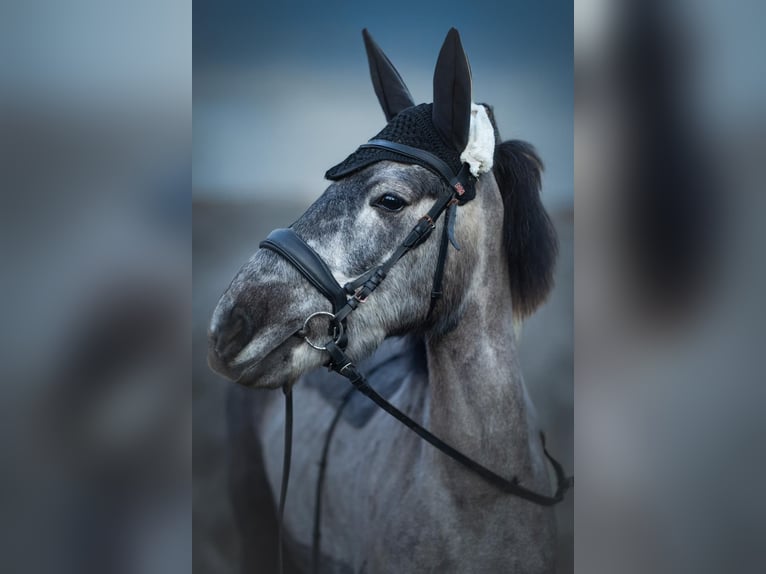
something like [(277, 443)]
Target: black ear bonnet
[(413, 127), (440, 129)]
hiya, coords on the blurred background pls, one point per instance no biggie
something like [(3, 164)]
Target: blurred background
[(95, 292), (282, 92), (669, 283)]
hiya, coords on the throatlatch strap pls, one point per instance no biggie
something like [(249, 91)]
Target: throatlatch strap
[(436, 288), (343, 365)]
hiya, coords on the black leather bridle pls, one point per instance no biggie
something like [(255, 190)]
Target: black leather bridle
[(347, 299)]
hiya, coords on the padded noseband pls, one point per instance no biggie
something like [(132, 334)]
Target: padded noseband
[(300, 255)]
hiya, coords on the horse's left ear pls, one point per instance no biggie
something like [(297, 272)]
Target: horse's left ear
[(452, 93), (530, 239), (392, 93)]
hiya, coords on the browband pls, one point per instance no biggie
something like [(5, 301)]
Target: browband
[(462, 181), (415, 153)]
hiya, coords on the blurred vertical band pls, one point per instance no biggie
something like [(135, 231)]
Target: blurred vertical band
[(669, 277), (95, 216)]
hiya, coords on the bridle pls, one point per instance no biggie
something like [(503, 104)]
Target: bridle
[(346, 299)]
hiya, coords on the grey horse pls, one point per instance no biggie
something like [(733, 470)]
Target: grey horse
[(391, 502)]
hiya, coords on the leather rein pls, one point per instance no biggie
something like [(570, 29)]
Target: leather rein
[(348, 298)]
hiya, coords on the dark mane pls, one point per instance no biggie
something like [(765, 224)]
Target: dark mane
[(528, 233)]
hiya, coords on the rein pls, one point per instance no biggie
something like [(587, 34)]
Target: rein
[(285, 471), (347, 299)]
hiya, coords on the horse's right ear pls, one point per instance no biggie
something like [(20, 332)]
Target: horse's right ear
[(452, 92), (392, 94)]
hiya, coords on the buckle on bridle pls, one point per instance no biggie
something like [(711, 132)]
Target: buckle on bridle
[(358, 297), (428, 219), (337, 327), (342, 370)]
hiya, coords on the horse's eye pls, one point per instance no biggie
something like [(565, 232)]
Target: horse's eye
[(390, 202)]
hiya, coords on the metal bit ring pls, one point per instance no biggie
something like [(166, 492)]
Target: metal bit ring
[(337, 329)]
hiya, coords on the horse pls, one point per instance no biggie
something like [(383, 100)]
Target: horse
[(390, 502)]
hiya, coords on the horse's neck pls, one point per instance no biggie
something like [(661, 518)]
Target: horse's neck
[(478, 402)]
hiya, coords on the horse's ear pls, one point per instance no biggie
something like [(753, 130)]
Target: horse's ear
[(529, 236), (452, 92), (392, 94)]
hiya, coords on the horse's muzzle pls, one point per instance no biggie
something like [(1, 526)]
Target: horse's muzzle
[(227, 338)]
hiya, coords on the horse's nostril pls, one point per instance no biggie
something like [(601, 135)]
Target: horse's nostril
[(233, 334)]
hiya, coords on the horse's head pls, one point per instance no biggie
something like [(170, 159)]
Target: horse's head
[(377, 197)]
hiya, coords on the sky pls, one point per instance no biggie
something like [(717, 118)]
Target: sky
[(282, 90)]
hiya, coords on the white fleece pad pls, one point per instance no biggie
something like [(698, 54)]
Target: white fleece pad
[(480, 150)]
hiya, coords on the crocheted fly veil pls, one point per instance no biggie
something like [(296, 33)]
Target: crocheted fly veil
[(451, 128), (413, 127)]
